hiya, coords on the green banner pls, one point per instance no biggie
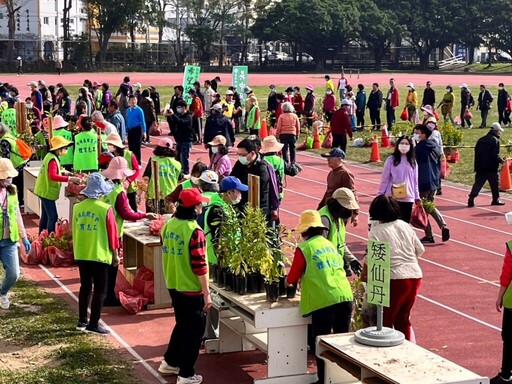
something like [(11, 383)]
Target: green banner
[(240, 80), (190, 76), (379, 267)]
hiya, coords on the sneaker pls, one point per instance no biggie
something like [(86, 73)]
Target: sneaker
[(4, 302), (439, 192), (500, 380), (80, 326), (427, 240), (445, 233), (196, 379), (471, 202), (97, 330), (498, 202), (471, 126), (168, 369)]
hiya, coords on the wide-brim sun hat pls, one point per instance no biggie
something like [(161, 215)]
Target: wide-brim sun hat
[(309, 219), (428, 109), (346, 198), (59, 122), (118, 169), (463, 85), (58, 142), (508, 217), (166, 142), (7, 170), (270, 144), (310, 88), (97, 186), (115, 140), (218, 140)]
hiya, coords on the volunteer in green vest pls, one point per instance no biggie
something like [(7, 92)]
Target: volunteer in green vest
[(338, 210), (85, 157), (9, 115), (118, 171), (95, 244), (253, 120), (11, 230), (186, 276), (48, 183), (169, 171), (42, 139), (270, 149), (504, 302), (116, 147), (193, 182), (326, 294), (60, 129)]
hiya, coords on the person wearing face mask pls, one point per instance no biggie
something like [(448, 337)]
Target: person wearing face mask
[(185, 268), (12, 229), (446, 105), (341, 126), (288, 97), (218, 124), (219, 161), (326, 295), (400, 177), (503, 99), (329, 105), (33, 115), (49, 181), (391, 103), (193, 182), (309, 105), (116, 147), (183, 132)]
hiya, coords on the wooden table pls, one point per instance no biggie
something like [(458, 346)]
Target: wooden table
[(347, 361), (141, 249), (278, 329)]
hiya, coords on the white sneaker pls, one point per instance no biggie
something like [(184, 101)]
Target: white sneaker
[(168, 369), (4, 302), (196, 379)]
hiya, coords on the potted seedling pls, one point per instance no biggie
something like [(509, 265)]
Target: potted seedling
[(227, 247), (452, 138)]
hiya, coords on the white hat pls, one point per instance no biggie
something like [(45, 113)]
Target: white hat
[(345, 102), (410, 85), (7, 169), (216, 107), (229, 92), (18, 58), (209, 177), (496, 127), (32, 84), (463, 85)]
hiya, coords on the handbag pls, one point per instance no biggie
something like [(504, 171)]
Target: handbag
[(419, 218), (468, 115), (404, 115), (399, 191)]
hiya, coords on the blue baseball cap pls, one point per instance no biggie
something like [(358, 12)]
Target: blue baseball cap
[(335, 152), (232, 182)]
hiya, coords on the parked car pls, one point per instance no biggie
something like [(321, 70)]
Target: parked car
[(306, 58), (252, 58)]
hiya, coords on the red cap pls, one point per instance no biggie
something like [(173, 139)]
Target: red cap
[(191, 197)]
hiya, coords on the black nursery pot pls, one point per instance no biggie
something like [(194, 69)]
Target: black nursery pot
[(229, 281), (282, 285), (272, 291), (241, 285), (220, 277), (253, 283), (213, 272), (291, 291)]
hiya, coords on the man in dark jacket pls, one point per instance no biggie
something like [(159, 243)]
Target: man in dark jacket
[(429, 95), (374, 105), (175, 99), (484, 104), (487, 162), (503, 97), (218, 124), (428, 155), (183, 132)]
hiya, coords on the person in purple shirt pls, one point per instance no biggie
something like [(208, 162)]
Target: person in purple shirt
[(400, 177)]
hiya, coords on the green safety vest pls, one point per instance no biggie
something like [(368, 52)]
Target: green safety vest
[(176, 235), (41, 153), (46, 188), (128, 157), (68, 158), (168, 173), (208, 195), (324, 282), (15, 157), (98, 98), (104, 145), (85, 157), (252, 123), (187, 184), (278, 164), (111, 199), (507, 297), (336, 233), (215, 200), (9, 118), (90, 237), (12, 216)]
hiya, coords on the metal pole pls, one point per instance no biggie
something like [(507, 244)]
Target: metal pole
[(380, 314)]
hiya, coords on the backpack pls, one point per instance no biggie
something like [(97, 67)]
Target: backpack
[(471, 100)]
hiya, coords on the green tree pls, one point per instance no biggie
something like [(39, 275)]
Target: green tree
[(497, 25)]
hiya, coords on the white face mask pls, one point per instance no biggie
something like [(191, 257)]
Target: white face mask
[(404, 148), (416, 137), (236, 199), (6, 182), (215, 150), (28, 105), (500, 88), (329, 92), (243, 160), (179, 110), (448, 90)]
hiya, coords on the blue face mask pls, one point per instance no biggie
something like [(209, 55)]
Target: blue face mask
[(179, 110)]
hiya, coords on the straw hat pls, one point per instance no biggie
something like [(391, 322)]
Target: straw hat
[(59, 122), (58, 142), (118, 169), (270, 144), (115, 140), (309, 219), (218, 140), (7, 169), (97, 186), (346, 198)]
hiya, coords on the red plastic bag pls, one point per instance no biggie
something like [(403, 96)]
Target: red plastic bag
[(43, 234), (327, 141), (436, 115), (141, 277), (62, 228), (32, 258), (468, 115), (59, 258), (133, 304), (44, 259), (155, 227), (445, 170), (404, 115), (149, 291), (419, 218)]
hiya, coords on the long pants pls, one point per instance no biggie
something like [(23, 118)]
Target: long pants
[(11, 264), (462, 119), (183, 155), (403, 294), (506, 336), (503, 116), (390, 116), (333, 319), (436, 215), (289, 141), (339, 141), (484, 113), (198, 129), (375, 118), (405, 210), (448, 116), (328, 115), (411, 111), (135, 141), (91, 272), (480, 179), (20, 70), (18, 182), (110, 296), (360, 118), (186, 337), (49, 215)]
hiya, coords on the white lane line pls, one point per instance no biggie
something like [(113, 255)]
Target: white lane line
[(433, 301), (121, 341)]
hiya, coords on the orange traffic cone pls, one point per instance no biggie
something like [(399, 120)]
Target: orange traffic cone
[(263, 129), (316, 138), (505, 180), (375, 155), (385, 143)]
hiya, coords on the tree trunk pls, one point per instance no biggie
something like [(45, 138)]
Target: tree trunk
[(104, 46), (471, 55), (11, 26), (65, 25), (221, 41), (424, 58), (378, 55)]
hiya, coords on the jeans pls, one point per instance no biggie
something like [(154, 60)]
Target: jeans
[(11, 264), (324, 321), (480, 179), (375, 118), (339, 141), (184, 154), (91, 272), (186, 337), (403, 296), (135, 141), (49, 215), (506, 336), (436, 215), (483, 114), (289, 141)]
